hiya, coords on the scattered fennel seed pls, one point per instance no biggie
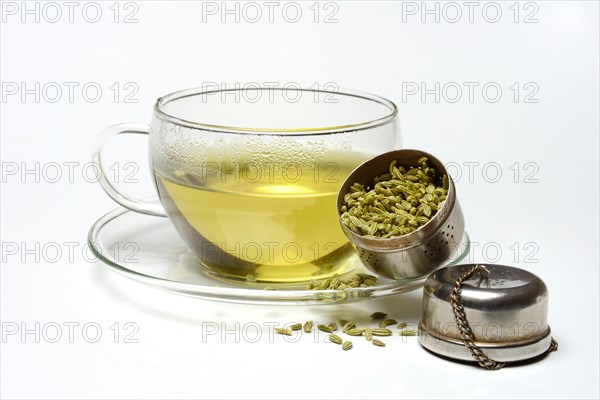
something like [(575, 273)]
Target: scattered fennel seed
[(283, 331), (296, 327), (408, 332), (308, 326), (355, 332), (348, 326), (335, 283), (387, 322), (335, 338), (382, 332), (378, 315)]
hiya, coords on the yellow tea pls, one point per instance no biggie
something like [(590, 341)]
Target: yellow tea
[(272, 223)]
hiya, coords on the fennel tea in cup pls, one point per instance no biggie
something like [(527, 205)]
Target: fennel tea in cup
[(249, 176)]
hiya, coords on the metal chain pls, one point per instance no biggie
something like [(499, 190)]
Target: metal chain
[(463, 324)]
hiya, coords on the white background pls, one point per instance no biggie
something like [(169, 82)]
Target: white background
[(370, 48)]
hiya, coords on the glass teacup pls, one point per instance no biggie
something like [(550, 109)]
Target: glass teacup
[(249, 177)]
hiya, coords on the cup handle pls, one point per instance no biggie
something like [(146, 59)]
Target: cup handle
[(136, 205)]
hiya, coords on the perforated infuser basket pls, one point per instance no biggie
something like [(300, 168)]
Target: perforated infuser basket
[(418, 253)]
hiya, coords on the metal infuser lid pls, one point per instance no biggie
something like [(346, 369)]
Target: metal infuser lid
[(491, 314)]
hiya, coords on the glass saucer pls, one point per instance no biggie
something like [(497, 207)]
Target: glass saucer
[(149, 250)]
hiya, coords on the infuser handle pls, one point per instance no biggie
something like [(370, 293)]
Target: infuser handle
[(133, 204)]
